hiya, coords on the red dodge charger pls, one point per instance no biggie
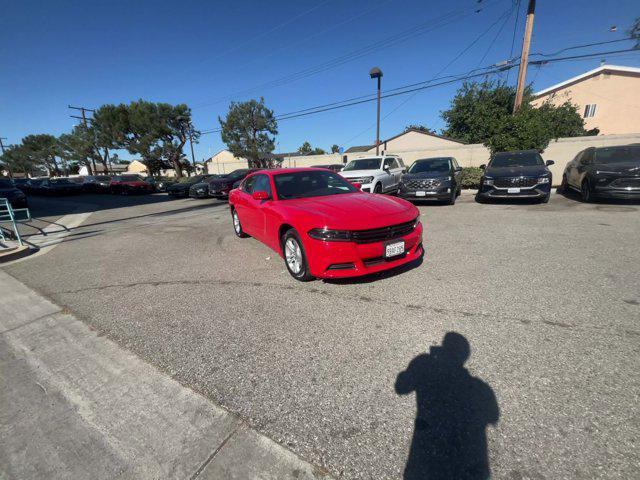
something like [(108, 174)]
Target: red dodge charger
[(324, 226)]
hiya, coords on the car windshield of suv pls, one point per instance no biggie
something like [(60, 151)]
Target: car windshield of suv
[(61, 181), (440, 165), (516, 159), (363, 164), (311, 184), (6, 184), (618, 154)]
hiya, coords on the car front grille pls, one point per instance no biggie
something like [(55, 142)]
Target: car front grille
[(515, 182), (633, 182), (428, 183), (384, 233)]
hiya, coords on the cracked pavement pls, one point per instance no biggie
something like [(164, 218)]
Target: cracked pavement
[(546, 295)]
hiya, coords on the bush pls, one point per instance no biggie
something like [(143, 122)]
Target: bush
[(470, 177)]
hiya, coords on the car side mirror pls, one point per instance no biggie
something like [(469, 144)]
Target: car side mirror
[(483, 167), (386, 168), (260, 195), (549, 162), (458, 169)]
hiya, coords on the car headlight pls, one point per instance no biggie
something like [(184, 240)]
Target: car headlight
[(361, 180), (488, 181), (328, 235), (543, 180)]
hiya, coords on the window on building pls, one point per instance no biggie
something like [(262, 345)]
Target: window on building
[(590, 110)]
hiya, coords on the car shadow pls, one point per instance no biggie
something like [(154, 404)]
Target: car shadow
[(454, 409), (374, 277)]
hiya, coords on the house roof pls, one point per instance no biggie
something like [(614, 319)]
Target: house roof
[(590, 73), (366, 148)]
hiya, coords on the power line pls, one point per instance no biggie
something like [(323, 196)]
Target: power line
[(417, 30), (513, 38), (575, 47)]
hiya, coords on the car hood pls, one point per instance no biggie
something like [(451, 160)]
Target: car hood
[(415, 176), (623, 168), (530, 171), (221, 183), (352, 211), (359, 173)]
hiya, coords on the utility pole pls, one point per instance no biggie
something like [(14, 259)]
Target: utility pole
[(524, 57), (2, 148), (193, 157), (83, 111)]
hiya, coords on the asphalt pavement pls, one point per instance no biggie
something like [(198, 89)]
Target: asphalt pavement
[(547, 297)]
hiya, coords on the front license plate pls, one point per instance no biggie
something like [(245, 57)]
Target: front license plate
[(394, 249), (421, 194), (513, 190)]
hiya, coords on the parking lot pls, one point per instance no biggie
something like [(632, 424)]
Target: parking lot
[(547, 297)]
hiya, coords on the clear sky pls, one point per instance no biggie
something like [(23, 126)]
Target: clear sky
[(204, 53)]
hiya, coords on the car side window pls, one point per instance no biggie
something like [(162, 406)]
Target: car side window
[(262, 184), (401, 162), (387, 163), (247, 185), (394, 163), (587, 157), (454, 163)]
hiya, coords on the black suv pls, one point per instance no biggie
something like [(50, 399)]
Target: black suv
[(607, 172), (519, 174), (432, 178)]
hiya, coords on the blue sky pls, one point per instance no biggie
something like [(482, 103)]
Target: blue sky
[(206, 53)]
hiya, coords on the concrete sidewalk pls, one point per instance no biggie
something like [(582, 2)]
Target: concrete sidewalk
[(77, 406)]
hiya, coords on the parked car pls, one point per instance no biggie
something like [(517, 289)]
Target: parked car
[(604, 172), (220, 187), (181, 188), (334, 167), (21, 183), (323, 226), (129, 185), (16, 197), (201, 189), (432, 178), (93, 183), (32, 184), (518, 174), (375, 174), (57, 186), (159, 184)]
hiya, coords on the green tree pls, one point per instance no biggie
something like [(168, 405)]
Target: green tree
[(43, 149), (18, 159), (307, 149), (482, 113), (634, 32), (421, 128), (109, 128), (249, 131), (79, 146), (335, 148)]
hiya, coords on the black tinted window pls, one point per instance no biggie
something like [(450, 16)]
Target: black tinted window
[(247, 185), (317, 183), (431, 165), (262, 184), (618, 154)]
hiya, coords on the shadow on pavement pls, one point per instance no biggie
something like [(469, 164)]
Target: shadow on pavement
[(453, 411)]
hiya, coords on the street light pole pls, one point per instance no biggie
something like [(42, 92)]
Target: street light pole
[(375, 72)]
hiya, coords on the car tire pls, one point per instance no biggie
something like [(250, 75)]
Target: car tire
[(377, 188), (295, 258), (546, 198), (586, 193), (564, 187), (237, 226), (452, 199)]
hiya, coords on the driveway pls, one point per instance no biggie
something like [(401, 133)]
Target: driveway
[(544, 300)]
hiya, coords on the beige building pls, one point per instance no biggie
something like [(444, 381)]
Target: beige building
[(411, 139), (608, 97)]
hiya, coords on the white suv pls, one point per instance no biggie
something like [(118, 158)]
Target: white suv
[(375, 174)]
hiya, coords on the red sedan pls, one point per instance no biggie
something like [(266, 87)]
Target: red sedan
[(129, 184), (324, 226)]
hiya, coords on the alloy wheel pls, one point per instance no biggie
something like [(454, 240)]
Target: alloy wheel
[(236, 222), (293, 255)]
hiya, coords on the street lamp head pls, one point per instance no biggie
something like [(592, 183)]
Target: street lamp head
[(375, 72)]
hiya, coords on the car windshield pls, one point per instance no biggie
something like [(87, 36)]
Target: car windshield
[(516, 159), (363, 164), (196, 179), (618, 154), (61, 181), (315, 183), (6, 183), (237, 174), (441, 165), (128, 178), (102, 178)]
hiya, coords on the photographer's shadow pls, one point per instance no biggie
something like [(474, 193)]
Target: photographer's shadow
[(453, 411)]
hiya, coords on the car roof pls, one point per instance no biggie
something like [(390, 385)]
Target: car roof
[(277, 171)]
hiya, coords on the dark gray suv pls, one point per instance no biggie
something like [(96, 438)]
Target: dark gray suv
[(435, 178)]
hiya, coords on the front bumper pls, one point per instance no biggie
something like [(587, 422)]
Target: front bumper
[(219, 193), (537, 191), (178, 193), (350, 259), (441, 193), (199, 193), (628, 193)]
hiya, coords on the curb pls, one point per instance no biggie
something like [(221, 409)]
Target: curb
[(14, 253)]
